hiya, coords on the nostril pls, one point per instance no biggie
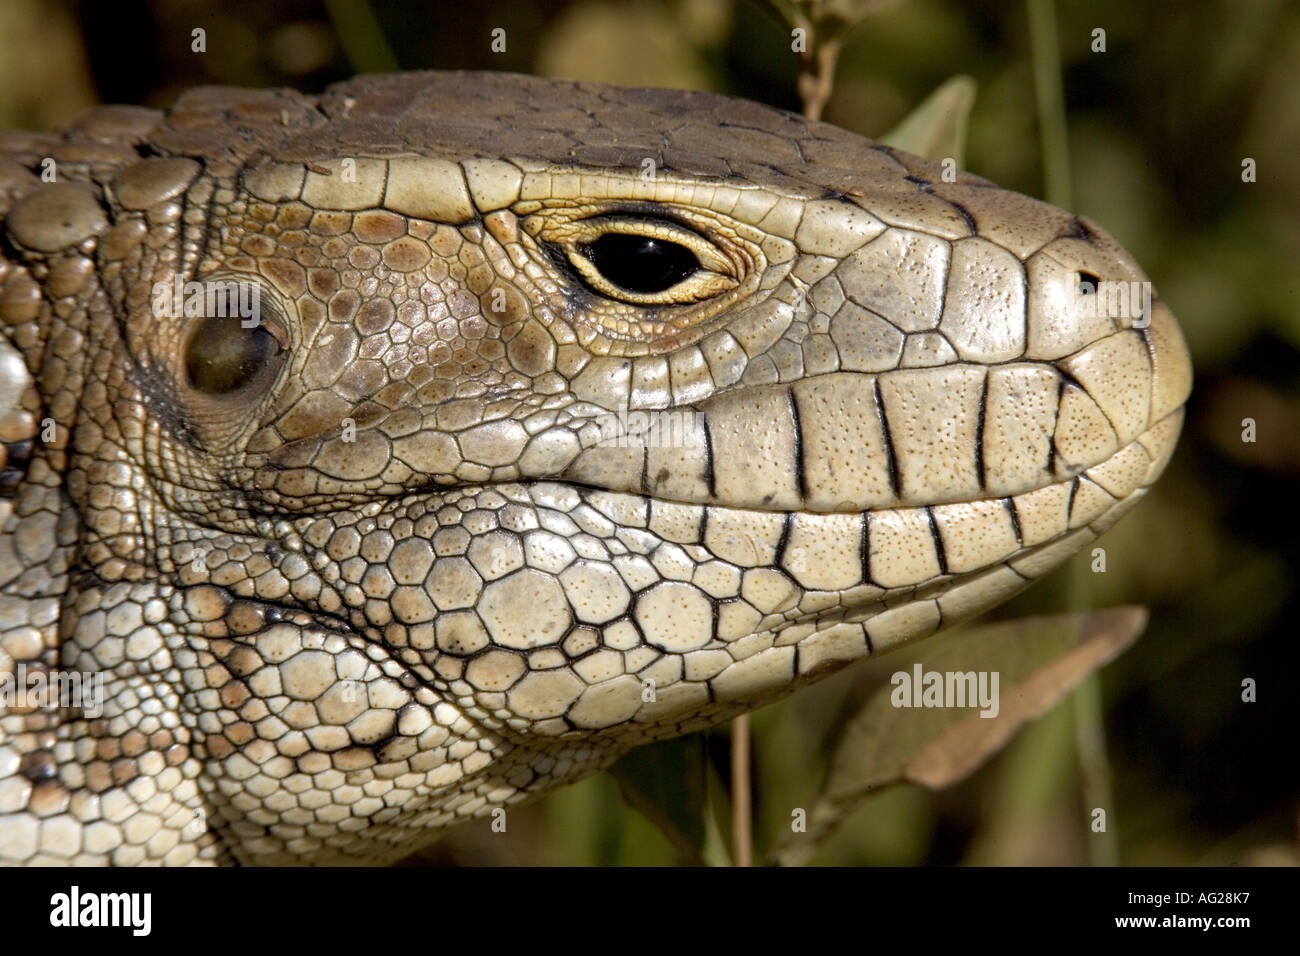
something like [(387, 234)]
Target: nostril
[(1088, 283)]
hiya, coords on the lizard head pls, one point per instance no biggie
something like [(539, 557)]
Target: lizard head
[(468, 430)]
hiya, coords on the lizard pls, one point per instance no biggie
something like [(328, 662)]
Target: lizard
[(378, 460)]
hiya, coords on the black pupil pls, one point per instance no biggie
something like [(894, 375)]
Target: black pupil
[(223, 356), (641, 264)]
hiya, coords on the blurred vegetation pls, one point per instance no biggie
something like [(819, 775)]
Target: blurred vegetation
[(1158, 127)]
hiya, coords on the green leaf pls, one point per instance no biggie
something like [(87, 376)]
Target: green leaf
[(937, 128), (1038, 660), (666, 782)]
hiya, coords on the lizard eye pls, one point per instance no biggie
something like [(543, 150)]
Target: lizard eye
[(227, 352), (644, 265), (222, 357), (642, 261)]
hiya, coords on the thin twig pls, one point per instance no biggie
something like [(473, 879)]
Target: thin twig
[(742, 811), (1094, 768), (817, 75), (816, 82)]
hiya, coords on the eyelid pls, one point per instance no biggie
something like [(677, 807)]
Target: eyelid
[(276, 328), (720, 270), (570, 231), (269, 314), (700, 285), (730, 256), (708, 255)]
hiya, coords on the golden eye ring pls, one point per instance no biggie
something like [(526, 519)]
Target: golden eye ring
[(649, 263)]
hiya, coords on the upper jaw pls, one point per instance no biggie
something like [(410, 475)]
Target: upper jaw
[(850, 442)]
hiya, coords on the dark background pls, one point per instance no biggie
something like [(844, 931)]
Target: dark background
[(1158, 127)]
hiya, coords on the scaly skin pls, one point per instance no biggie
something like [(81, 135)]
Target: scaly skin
[(411, 550)]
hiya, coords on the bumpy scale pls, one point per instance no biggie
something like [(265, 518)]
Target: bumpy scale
[(482, 497)]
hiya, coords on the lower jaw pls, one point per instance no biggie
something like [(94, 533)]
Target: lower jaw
[(808, 598), (888, 618), (838, 586), (868, 562)]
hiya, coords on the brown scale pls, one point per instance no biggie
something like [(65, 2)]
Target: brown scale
[(21, 306), (352, 303)]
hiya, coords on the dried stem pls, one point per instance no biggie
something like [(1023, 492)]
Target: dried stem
[(742, 811)]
